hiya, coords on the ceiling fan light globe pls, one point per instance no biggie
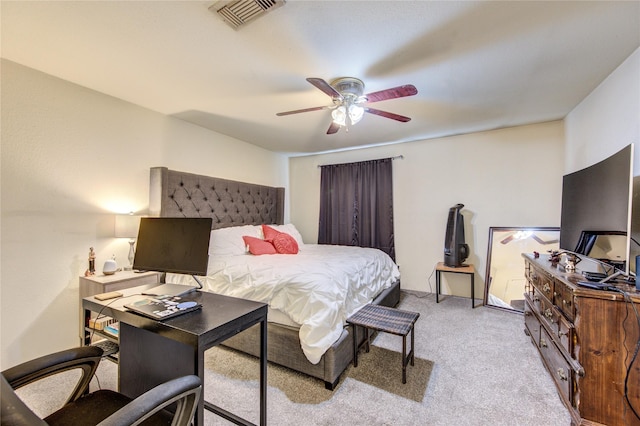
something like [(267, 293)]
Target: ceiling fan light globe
[(355, 113), (339, 115)]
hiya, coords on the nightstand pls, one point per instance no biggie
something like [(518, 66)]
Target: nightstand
[(97, 284), (464, 269)]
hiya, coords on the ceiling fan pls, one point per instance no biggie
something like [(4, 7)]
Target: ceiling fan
[(521, 235), (348, 99)]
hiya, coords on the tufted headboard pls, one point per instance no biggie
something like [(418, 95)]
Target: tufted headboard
[(229, 203)]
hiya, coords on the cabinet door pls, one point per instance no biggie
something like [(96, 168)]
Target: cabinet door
[(607, 332)]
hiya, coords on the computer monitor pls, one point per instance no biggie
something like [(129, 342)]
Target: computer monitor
[(177, 245)]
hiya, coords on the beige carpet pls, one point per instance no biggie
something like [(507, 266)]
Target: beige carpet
[(381, 368), (485, 372)]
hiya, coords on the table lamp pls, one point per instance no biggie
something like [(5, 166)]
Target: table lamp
[(126, 226)]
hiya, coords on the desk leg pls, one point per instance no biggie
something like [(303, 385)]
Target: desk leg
[(263, 372), (437, 286), (148, 359)]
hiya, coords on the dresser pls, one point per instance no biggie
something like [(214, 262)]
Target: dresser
[(587, 340)]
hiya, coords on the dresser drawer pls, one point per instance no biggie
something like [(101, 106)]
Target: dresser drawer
[(550, 315), (531, 322), (563, 299), (558, 367), (566, 335), (543, 283)]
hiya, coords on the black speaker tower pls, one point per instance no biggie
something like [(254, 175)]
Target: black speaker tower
[(456, 250)]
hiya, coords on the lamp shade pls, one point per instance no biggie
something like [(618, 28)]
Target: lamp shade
[(126, 226)]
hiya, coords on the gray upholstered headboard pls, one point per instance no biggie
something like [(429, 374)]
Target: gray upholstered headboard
[(229, 203)]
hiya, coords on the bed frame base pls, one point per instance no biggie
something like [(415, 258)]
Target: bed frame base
[(280, 340)]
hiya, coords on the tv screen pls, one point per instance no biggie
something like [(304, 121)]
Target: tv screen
[(634, 244), (596, 210), (177, 245)]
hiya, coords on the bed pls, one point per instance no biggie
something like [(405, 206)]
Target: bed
[(318, 344)]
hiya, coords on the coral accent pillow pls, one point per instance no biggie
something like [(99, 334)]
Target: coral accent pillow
[(269, 232), (258, 246), (285, 244)]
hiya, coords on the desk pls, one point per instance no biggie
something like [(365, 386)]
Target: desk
[(152, 352), (465, 269)]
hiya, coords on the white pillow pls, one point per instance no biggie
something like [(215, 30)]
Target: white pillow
[(229, 242), (290, 229)]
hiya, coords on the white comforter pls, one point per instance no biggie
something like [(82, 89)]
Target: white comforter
[(318, 288)]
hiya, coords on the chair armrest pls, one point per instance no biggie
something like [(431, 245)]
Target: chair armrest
[(13, 411), (185, 391), (85, 358)]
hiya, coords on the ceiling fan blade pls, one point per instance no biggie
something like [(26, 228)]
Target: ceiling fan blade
[(297, 111), (325, 87), (508, 239), (333, 128), (387, 114), (541, 241), (395, 92)]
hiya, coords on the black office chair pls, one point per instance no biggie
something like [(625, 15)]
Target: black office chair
[(102, 407)]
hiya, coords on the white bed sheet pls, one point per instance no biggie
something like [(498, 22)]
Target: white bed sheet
[(318, 288)]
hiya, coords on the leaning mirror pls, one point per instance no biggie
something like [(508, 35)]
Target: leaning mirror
[(504, 279)]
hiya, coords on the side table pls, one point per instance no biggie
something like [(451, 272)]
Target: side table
[(464, 269), (99, 283)]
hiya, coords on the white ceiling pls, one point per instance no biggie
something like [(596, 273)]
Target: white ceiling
[(476, 65)]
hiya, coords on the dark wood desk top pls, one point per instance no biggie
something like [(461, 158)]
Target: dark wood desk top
[(218, 319)]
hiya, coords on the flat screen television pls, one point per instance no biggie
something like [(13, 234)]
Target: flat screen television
[(597, 212), (176, 245), (634, 244)]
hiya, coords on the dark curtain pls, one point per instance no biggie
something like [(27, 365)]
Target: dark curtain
[(356, 205)]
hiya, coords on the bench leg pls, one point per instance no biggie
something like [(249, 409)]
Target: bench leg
[(404, 359), (407, 358), (366, 339), (413, 352), (355, 345)]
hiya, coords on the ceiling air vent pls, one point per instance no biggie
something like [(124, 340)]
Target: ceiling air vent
[(237, 13)]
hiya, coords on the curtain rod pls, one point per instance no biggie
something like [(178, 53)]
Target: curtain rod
[(397, 157)]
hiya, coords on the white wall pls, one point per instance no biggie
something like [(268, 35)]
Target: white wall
[(507, 177), (71, 158), (607, 120)]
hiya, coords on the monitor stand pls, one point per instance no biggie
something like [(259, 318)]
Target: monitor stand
[(175, 290)]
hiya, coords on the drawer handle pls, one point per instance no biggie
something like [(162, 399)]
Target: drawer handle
[(561, 374), (549, 315), (527, 313), (546, 288), (566, 302), (563, 333), (536, 298), (543, 343)]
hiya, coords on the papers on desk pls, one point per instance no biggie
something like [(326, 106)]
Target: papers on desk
[(162, 308)]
